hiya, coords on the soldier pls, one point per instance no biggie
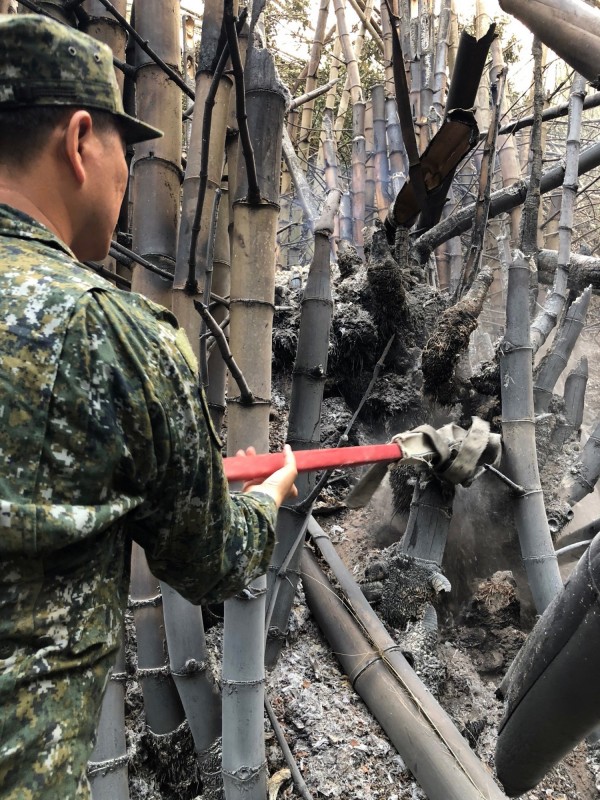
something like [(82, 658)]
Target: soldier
[(104, 435)]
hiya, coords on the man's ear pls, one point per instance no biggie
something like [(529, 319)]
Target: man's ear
[(77, 141)]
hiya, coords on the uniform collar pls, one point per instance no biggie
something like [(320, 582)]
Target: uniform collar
[(21, 226)]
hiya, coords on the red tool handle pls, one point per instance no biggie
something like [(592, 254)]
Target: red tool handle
[(247, 468)]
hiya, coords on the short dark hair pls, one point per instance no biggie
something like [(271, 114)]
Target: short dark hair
[(23, 131)]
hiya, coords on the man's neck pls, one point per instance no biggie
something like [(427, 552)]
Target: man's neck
[(17, 199)]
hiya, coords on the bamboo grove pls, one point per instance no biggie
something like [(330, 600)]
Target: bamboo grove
[(396, 151)]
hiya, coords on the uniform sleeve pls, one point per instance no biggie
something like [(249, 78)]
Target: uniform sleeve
[(164, 455)]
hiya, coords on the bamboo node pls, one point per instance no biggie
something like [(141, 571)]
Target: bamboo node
[(146, 602), (102, 767), (153, 672), (190, 667)]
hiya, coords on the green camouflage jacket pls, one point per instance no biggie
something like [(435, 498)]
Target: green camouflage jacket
[(103, 436)]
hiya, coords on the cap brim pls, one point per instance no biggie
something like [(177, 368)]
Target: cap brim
[(135, 131)]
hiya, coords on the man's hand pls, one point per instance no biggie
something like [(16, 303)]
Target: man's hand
[(279, 485)]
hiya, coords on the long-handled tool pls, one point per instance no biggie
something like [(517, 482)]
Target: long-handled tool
[(247, 468), (456, 455)]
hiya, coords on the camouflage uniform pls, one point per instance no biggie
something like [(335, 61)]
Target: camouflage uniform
[(103, 436)]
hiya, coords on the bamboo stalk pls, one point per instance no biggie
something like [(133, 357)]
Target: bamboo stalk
[(426, 19), (429, 519), (107, 767), (382, 172), (482, 204), (162, 706), (555, 302), (303, 191), (591, 101), (182, 298), (251, 309), (574, 400), (369, 164), (346, 218), (581, 482), (358, 175), (434, 751), (529, 218), (304, 429), (221, 282), (306, 120), (560, 24), (502, 200), (483, 114), (386, 31), (396, 149), (510, 167), (308, 96), (440, 79), (518, 434), (201, 699), (156, 167), (102, 26), (453, 38), (555, 361)]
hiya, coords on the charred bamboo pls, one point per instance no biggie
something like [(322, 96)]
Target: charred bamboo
[(555, 361), (251, 309), (306, 121), (502, 201), (518, 434), (555, 302), (382, 172), (156, 167), (183, 294), (574, 400), (304, 429), (107, 767), (585, 476), (434, 751), (429, 519)]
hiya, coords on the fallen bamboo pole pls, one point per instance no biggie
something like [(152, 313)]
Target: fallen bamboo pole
[(435, 752)]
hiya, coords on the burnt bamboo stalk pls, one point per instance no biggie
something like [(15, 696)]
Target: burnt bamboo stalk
[(358, 174), (426, 20), (304, 428), (365, 14), (308, 96), (189, 70), (439, 758), (583, 270), (586, 472), (369, 164), (358, 126), (380, 157), (303, 191), (316, 51), (329, 151), (162, 705), (429, 519), (570, 27), (103, 26), (440, 78), (591, 101), (453, 39), (345, 98), (574, 401), (346, 218), (550, 227), (221, 282), (483, 114), (396, 149), (156, 166), (502, 201), (200, 696), (251, 310), (107, 767), (183, 293), (331, 96), (529, 219), (510, 168), (482, 204), (555, 302), (518, 436), (386, 30), (556, 359), (412, 62)]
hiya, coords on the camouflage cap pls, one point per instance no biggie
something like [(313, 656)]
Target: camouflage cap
[(45, 63)]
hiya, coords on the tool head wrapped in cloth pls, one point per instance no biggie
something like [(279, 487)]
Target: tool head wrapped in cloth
[(455, 455)]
